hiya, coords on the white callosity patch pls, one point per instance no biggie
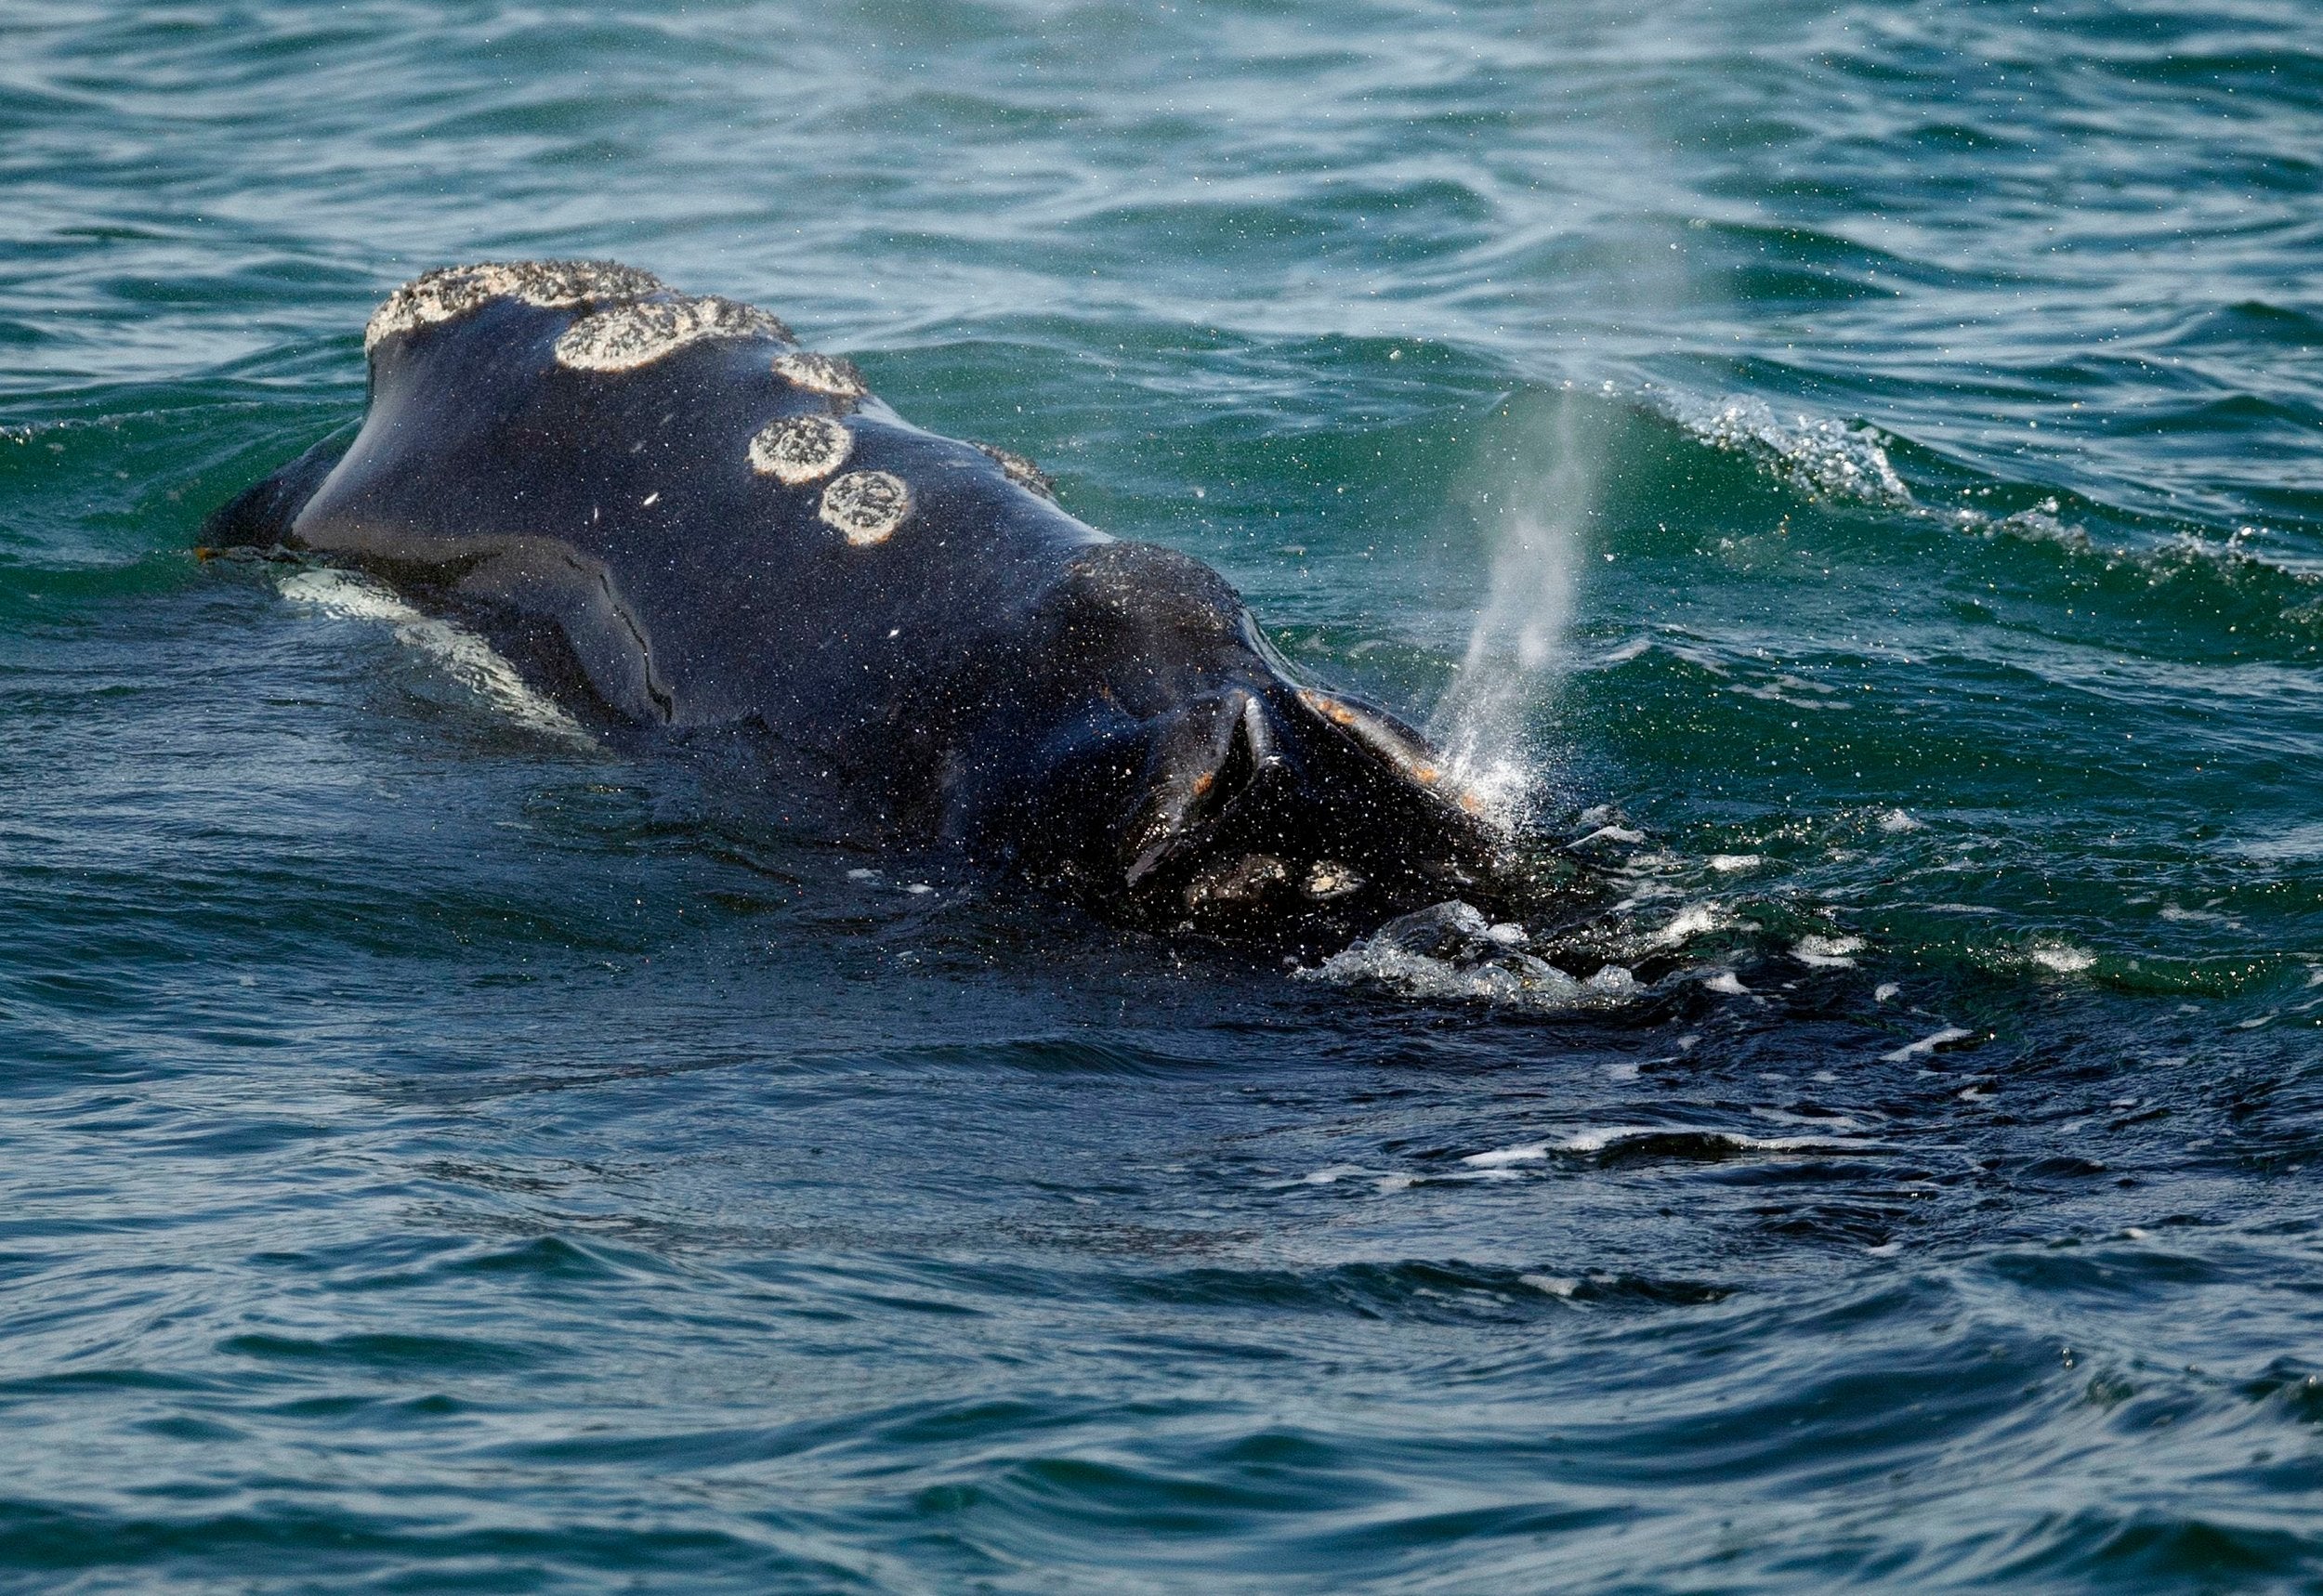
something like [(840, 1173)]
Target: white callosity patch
[(1328, 879), (866, 505), (465, 656), (454, 291), (821, 373), (1020, 471), (800, 449), (627, 337)]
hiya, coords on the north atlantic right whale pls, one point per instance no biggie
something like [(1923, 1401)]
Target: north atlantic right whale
[(679, 522)]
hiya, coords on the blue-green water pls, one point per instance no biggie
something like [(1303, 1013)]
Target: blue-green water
[(439, 1155)]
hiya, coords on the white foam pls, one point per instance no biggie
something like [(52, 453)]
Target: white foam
[(1827, 952), (1835, 1123), (2062, 957), (467, 658), (1611, 834), (1820, 457), (1897, 820), (1726, 864), (1533, 1153), (1523, 982), (1694, 921), (1926, 1045), (1600, 1139), (2296, 843), (1449, 952)]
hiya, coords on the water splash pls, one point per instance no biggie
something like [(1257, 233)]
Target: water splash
[(1540, 507), (1820, 456), (464, 655)]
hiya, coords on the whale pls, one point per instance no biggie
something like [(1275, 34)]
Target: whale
[(691, 531)]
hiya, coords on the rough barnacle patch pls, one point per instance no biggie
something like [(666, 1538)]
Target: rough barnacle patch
[(1020, 471), (454, 291), (1385, 739), (1330, 709), (822, 373), (1243, 880), (1328, 879), (800, 449), (628, 336), (866, 505)]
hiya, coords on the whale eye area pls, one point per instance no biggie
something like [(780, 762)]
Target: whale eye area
[(866, 506), (451, 292), (821, 373), (801, 449), (628, 336)]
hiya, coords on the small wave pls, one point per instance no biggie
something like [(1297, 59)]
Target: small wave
[(2226, 577), (1827, 952), (1820, 457), (1926, 1045), (1675, 1141), (2061, 958), (471, 660), (2244, 574)]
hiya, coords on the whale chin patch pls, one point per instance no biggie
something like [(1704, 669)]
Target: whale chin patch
[(866, 506), (628, 336), (821, 373), (451, 292), (801, 449)]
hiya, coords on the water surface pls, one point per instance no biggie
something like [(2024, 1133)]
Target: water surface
[(442, 1154)]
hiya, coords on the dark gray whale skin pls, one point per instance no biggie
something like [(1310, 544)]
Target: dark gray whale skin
[(1103, 716)]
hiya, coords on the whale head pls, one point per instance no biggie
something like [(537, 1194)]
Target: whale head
[(1172, 772)]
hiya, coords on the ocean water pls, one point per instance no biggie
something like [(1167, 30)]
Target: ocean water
[(1854, 465)]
